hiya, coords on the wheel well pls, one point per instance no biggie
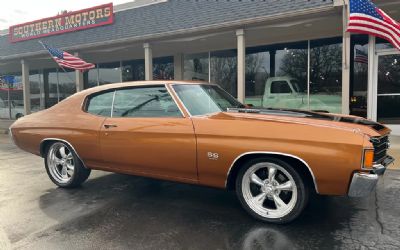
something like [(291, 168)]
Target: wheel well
[(301, 168), (47, 142), (44, 145)]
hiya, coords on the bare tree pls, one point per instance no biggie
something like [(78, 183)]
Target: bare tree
[(223, 72), (294, 64), (163, 71), (325, 71), (256, 74)]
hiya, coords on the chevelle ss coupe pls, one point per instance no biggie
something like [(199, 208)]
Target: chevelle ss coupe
[(197, 133)]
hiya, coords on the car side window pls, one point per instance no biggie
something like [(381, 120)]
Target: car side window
[(101, 104), (145, 102), (280, 87)]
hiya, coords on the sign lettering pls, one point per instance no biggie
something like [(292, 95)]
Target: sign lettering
[(70, 21)]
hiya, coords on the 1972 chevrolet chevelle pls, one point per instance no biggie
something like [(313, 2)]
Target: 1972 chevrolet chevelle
[(197, 133)]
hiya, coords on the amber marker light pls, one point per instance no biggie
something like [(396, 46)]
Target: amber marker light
[(368, 158)]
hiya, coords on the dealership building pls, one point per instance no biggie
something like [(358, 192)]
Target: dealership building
[(271, 53)]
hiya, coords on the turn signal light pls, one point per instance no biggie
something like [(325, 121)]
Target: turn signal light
[(368, 158)]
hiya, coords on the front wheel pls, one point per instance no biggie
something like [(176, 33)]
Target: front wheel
[(64, 167), (271, 190)]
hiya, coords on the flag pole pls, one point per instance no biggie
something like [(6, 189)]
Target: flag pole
[(346, 15), (56, 62)]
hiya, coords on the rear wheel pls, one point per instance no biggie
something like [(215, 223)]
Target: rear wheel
[(64, 167), (271, 190)]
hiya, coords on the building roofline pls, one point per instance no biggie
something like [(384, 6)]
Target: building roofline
[(132, 4), (146, 38)]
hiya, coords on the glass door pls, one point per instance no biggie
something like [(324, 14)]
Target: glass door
[(388, 89)]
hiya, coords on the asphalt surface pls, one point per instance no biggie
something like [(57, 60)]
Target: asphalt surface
[(113, 211)]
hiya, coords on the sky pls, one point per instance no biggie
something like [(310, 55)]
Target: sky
[(21, 11)]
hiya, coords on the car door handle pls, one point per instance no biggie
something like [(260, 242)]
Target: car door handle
[(107, 126)]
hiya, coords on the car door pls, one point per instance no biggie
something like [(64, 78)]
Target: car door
[(87, 125), (147, 133)]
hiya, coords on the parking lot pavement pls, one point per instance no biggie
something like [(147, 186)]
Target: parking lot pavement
[(113, 211)]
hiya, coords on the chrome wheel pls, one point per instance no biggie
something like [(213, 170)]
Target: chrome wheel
[(60, 162), (269, 190)]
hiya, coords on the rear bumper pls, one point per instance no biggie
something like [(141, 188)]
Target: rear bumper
[(362, 184)]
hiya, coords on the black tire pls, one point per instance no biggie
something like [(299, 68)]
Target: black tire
[(80, 172), (19, 115), (301, 187)]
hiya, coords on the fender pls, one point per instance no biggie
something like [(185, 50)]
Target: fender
[(273, 153)]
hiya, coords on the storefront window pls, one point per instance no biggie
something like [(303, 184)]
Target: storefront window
[(37, 90), (91, 78), (258, 68), (388, 89), (359, 75), (276, 76), (11, 96), (163, 68), (109, 73), (326, 75), (67, 83), (196, 67), (223, 67), (133, 70), (50, 80)]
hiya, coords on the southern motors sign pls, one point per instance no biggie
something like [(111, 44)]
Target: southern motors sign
[(70, 21)]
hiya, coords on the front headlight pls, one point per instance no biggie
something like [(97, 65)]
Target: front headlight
[(368, 159)]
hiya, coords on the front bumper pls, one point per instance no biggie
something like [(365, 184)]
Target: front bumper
[(362, 184)]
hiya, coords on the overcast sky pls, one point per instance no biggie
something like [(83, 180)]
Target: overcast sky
[(21, 11)]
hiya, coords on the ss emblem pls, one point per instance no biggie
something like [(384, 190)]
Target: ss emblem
[(212, 156)]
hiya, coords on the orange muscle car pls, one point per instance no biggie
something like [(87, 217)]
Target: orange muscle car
[(197, 133)]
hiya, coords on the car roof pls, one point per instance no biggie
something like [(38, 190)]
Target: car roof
[(137, 83)]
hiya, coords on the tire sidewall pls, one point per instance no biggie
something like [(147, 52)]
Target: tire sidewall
[(302, 191), (77, 167)]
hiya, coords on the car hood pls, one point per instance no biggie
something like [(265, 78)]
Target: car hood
[(344, 122)]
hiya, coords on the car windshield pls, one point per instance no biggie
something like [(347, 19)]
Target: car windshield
[(202, 99)]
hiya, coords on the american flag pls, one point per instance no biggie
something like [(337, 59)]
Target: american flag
[(361, 57), (66, 60), (367, 18)]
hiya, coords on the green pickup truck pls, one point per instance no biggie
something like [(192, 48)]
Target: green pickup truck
[(287, 92)]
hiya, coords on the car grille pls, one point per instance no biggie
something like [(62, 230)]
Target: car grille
[(381, 145)]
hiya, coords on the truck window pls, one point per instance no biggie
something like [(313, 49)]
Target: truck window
[(280, 87), (298, 87)]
